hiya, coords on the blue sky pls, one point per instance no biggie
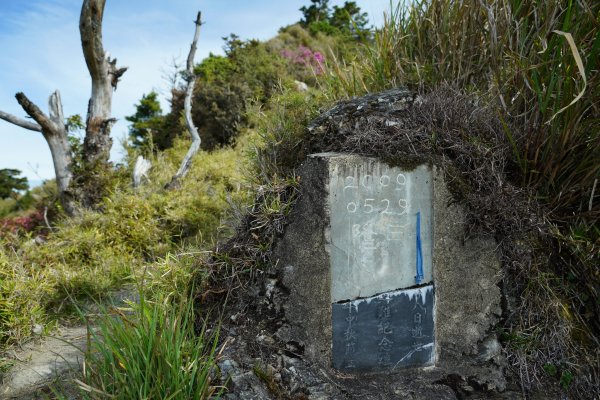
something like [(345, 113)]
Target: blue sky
[(41, 52)]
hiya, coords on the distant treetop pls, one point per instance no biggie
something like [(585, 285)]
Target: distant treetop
[(144, 121), (347, 19), (11, 183)]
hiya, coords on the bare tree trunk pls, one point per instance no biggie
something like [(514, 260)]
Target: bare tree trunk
[(187, 107), (105, 76), (54, 131), (94, 177)]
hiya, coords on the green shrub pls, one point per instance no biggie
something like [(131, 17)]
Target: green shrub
[(219, 113), (215, 68), (293, 38), (250, 72), (322, 27)]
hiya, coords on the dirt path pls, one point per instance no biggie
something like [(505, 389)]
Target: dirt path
[(45, 363)]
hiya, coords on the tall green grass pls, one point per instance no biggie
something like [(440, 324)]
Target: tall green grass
[(153, 353), (536, 61)]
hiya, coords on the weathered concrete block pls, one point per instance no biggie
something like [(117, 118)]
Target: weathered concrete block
[(362, 237), (374, 210)]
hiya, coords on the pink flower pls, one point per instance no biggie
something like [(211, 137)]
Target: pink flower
[(21, 224), (305, 57)]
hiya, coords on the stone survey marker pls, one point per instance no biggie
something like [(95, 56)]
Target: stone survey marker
[(383, 274), (381, 266)]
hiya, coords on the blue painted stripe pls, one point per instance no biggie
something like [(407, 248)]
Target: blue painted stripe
[(419, 277)]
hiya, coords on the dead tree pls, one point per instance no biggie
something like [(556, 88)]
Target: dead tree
[(54, 131), (187, 107), (105, 76), (97, 143)]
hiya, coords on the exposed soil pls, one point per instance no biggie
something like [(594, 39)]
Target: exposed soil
[(47, 366), (46, 363)]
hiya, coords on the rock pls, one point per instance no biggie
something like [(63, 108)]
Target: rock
[(264, 339), (247, 386), (37, 329), (45, 362), (227, 367), (489, 349), (301, 86)]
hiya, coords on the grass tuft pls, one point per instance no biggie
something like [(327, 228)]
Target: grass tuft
[(151, 353)]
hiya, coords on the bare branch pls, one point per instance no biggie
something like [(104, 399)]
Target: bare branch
[(187, 106), (56, 110), (192, 54), (116, 75), (23, 123), (54, 131), (47, 125)]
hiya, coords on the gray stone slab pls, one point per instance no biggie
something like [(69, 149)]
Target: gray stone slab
[(385, 332), (373, 235)]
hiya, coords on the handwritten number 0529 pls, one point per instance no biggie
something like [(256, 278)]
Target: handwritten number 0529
[(368, 208)]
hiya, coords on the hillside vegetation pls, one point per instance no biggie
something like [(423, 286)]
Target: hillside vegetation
[(507, 91)]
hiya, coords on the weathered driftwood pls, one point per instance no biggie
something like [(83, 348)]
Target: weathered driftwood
[(97, 142), (187, 106)]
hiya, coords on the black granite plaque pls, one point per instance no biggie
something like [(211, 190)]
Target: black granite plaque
[(385, 332)]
